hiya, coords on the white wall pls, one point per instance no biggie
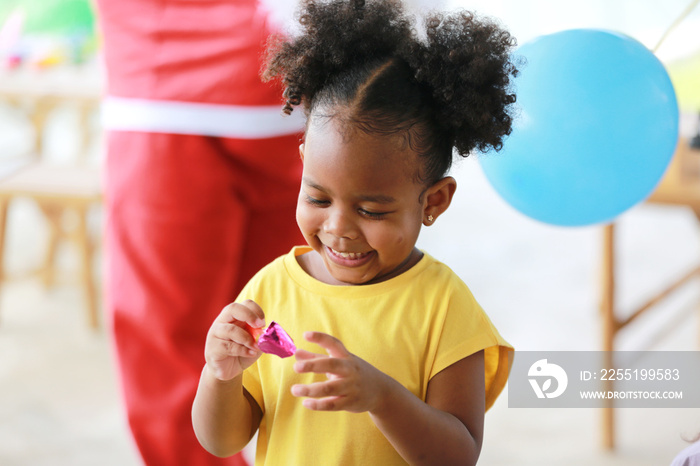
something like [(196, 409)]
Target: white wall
[(645, 20)]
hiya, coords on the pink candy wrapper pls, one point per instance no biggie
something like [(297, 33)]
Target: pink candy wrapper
[(276, 341)]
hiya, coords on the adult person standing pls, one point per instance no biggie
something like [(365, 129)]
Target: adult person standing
[(201, 184)]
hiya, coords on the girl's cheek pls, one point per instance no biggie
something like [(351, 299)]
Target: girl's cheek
[(390, 235), (301, 215), (308, 220)]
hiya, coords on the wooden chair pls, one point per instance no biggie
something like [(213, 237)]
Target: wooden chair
[(679, 186), (58, 190)]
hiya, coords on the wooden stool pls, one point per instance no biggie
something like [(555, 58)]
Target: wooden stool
[(679, 186), (57, 190)]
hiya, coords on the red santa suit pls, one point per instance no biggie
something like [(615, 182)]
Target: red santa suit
[(202, 176)]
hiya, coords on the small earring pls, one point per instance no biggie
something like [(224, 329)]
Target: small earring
[(430, 218)]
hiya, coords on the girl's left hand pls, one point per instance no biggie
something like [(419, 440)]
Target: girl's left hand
[(353, 384)]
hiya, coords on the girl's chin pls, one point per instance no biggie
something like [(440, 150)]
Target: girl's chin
[(340, 275)]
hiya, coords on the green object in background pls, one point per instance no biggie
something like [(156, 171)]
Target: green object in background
[(68, 24), (64, 17), (685, 75)]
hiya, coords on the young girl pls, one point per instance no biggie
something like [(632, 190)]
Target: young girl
[(397, 362)]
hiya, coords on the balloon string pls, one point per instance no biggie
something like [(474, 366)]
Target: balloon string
[(678, 21)]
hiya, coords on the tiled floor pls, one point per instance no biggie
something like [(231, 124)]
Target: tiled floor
[(59, 401)]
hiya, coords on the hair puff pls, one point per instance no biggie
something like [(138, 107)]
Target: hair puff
[(466, 62), (336, 36)]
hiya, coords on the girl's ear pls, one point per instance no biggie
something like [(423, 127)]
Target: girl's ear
[(301, 152), (437, 199)]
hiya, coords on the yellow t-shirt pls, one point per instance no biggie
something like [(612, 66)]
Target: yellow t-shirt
[(410, 327)]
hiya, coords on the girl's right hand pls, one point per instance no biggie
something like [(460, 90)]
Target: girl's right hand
[(229, 347)]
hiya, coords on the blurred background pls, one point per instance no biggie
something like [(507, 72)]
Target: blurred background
[(541, 285)]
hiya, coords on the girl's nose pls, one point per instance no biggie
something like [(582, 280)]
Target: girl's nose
[(339, 224)]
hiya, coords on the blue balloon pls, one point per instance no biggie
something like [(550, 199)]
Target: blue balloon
[(595, 128)]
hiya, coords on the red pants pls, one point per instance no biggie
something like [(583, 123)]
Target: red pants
[(189, 220)]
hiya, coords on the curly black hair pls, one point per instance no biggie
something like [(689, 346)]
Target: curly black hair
[(451, 89)]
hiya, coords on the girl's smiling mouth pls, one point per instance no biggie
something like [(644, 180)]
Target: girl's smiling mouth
[(348, 259)]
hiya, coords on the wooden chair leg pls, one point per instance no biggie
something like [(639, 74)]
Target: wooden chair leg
[(54, 216), (3, 220), (86, 274), (85, 113), (38, 115), (607, 307)]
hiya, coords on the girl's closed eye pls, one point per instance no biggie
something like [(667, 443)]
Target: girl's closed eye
[(364, 212), (373, 215), (316, 202)]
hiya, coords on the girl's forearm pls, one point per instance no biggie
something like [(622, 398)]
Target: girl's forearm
[(422, 434), (222, 415)]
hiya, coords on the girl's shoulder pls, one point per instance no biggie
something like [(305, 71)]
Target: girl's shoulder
[(275, 270), (439, 271)]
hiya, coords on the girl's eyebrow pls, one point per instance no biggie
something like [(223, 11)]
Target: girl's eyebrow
[(376, 198), (313, 185)]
